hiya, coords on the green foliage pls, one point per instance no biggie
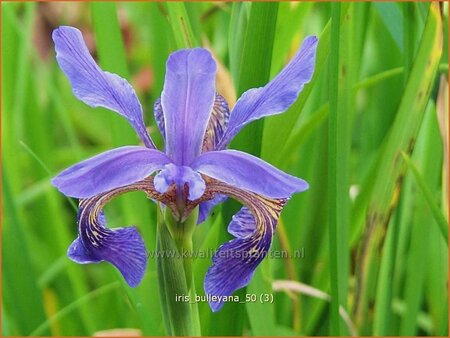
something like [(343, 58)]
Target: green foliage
[(368, 134)]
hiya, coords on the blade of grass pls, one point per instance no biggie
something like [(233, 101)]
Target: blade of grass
[(105, 289), (332, 167), (442, 114), (434, 208), (291, 273), (297, 138), (260, 285), (44, 166), (289, 285), (423, 320), (436, 288), (377, 78), (200, 267), (402, 135), (62, 237), (361, 13), (291, 16), (427, 153), (22, 300), (159, 36), (238, 27), (20, 97), (181, 26), (392, 17), (383, 306), (341, 95), (409, 43), (309, 229)]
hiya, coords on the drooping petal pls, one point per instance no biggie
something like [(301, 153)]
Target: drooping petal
[(180, 176), (109, 170), (93, 86), (187, 100), (205, 208), (275, 97), (243, 224), (122, 247), (247, 172), (233, 267), (234, 263)]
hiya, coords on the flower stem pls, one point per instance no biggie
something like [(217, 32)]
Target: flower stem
[(174, 265), (181, 233)]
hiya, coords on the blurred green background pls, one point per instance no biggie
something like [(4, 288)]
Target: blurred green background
[(369, 134)]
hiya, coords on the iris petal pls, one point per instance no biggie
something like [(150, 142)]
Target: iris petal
[(109, 170), (122, 247), (234, 263), (187, 100), (233, 267), (159, 117), (93, 86), (217, 124), (275, 97), (243, 224), (247, 172)]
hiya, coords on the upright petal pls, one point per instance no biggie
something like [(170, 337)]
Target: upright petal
[(275, 97), (247, 172), (234, 263), (109, 170), (217, 124), (122, 247), (187, 100), (93, 86), (159, 117)]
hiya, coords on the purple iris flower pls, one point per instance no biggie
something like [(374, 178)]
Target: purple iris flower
[(195, 169)]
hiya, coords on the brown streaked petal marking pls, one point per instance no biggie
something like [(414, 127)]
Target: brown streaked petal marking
[(217, 123), (265, 210)]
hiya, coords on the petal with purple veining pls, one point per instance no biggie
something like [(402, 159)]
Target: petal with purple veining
[(234, 263), (276, 96), (94, 86), (187, 100), (109, 170), (243, 224), (248, 172), (122, 247)]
